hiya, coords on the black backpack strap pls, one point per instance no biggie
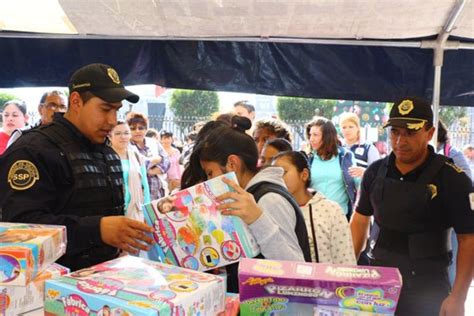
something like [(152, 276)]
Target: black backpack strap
[(260, 189)]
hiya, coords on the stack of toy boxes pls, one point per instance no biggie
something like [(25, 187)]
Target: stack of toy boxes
[(135, 286), (27, 254), (294, 288), (190, 231)]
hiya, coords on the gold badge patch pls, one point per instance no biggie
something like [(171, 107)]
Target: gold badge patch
[(22, 175), (433, 189), (113, 75), (405, 107)]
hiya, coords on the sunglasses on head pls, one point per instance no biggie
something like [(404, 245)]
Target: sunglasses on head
[(140, 128)]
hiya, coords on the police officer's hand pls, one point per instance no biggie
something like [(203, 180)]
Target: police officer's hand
[(452, 306), (125, 233), (243, 204)]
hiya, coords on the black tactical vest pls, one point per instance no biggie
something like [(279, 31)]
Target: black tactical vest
[(97, 187), (402, 215)]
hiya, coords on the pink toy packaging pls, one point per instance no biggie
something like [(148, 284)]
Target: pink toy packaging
[(135, 286), (270, 287), (28, 249), (190, 232), (15, 300)]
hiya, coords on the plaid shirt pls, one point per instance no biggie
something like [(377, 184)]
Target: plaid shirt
[(151, 149)]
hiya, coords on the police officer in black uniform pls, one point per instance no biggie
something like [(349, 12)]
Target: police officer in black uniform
[(416, 197), (65, 174)]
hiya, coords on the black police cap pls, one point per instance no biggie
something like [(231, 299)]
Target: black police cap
[(411, 113), (103, 82)]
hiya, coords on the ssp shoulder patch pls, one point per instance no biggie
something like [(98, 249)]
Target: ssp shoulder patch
[(22, 175)]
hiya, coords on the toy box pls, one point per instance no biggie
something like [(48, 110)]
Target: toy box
[(15, 300), (28, 249), (291, 288), (322, 310), (135, 286), (190, 232)]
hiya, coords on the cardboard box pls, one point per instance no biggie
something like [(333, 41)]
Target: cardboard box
[(194, 234), (15, 300), (28, 249), (291, 288), (336, 311), (135, 286)]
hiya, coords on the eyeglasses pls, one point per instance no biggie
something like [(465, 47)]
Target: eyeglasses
[(121, 133), (55, 107), (140, 128)]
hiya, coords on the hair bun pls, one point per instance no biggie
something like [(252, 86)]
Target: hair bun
[(241, 123)]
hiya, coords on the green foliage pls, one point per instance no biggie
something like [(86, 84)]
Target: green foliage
[(4, 97), (292, 109), (194, 103), (451, 114)]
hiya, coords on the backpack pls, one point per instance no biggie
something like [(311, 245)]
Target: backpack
[(258, 190)]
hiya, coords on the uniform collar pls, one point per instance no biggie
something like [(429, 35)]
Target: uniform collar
[(415, 172)]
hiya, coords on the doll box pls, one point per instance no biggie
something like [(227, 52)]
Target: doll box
[(190, 232), (135, 286), (15, 300), (27, 249), (284, 287)]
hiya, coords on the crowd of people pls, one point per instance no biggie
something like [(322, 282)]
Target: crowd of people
[(336, 202)]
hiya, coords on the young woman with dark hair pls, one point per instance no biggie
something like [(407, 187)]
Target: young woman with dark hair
[(330, 163), (329, 236), (14, 117), (271, 148), (273, 220)]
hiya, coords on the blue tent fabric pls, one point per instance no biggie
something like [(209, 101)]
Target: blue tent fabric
[(306, 70)]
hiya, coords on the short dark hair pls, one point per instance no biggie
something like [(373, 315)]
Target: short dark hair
[(20, 104), (225, 140), (151, 132), (443, 136), (165, 133), (245, 104), (134, 118), (330, 141), (299, 159), (274, 126), (50, 93), (279, 144)]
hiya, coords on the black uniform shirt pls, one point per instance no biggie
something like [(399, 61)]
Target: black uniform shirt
[(40, 197), (449, 208)]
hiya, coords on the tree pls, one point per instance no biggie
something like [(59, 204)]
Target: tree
[(298, 111), (190, 106), (303, 109), (4, 97), (451, 114)]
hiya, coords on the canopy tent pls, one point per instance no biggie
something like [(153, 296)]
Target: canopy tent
[(361, 50)]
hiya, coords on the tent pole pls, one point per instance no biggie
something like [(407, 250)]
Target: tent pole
[(438, 56)]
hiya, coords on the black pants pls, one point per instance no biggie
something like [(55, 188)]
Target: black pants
[(425, 285)]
